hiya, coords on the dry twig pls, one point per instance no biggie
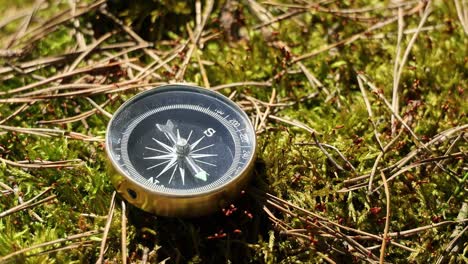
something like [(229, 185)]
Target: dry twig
[(110, 214)]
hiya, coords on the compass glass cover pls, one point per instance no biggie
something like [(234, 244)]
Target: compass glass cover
[(181, 140)]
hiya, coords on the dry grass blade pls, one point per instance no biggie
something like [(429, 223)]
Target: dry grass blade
[(38, 32), (395, 98), (379, 157), (369, 111), (68, 247), (152, 67), (323, 225), (312, 79), (99, 108), (124, 232), (102, 89), (198, 32), (462, 13), (240, 84), (136, 37), (389, 107), (281, 204), (441, 137), (6, 187), (42, 164), (314, 137), (387, 220), (412, 166), (16, 112), (27, 203), (452, 247), (82, 115), (397, 77), (46, 132), (24, 206), (36, 64), (25, 24), (18, 14), (267, 111), (8, 258), (89, 50), (294, 123), (106, 229), (356, 36), (279, 18), (88, 69)]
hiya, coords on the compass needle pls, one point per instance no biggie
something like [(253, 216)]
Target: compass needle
[(198, 156), (196, 143), (163, 145), (193, 151), (166, 156), (171, 163), (182, 175), (173, 172), (189, 135), (158, 150), (204, 162), (168, 137), (180, 150), (197, 172), (159, 164), (168, 130)]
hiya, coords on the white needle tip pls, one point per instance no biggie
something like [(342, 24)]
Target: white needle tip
[(201, 175)]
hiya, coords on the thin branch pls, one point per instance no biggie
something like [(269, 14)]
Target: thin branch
[(267, 111), (356, 36), (280, 18), (61, 76), (89, 50), (389, 107), (110, 214), (462, 13), (124, 233), (387, 220), (41, 164), (198, 32), (395, 98), (238, 84), (395, 103), (369, 112), (57, 241), (99, 108), (27, 203)]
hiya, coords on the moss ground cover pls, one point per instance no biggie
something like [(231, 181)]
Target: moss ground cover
[(359, 107)]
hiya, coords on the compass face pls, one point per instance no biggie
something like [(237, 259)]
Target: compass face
[(180, 140)]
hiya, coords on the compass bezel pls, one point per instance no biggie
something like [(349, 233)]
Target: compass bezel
[(179, 204)]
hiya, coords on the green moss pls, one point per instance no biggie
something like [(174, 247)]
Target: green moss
[(290, 165)]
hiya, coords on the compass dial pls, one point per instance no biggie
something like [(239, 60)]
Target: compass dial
[(180, 140)]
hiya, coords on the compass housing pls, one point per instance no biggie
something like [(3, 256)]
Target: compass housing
[(180, 150)]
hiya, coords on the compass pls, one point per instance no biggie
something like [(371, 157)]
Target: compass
[(180, 150)]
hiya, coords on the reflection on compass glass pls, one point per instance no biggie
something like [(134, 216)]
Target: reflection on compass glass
[(181, 140)]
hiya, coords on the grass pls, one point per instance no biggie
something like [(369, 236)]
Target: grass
[(343, 175)]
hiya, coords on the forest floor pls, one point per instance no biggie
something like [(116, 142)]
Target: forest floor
[(359, 107)]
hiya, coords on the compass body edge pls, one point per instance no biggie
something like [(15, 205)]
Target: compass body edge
[(179, 206), (188, 186)]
